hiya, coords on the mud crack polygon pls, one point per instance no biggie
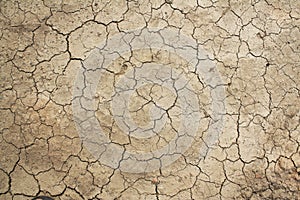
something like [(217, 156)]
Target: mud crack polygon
[(154, 79)]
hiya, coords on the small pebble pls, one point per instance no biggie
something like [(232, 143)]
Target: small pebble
[(155, 181)]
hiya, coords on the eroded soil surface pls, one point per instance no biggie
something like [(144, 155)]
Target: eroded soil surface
[(84, 118)]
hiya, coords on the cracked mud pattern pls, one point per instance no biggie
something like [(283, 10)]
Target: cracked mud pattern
[(158, 111)]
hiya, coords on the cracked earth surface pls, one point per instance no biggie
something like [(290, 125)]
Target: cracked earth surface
[(148, 100)]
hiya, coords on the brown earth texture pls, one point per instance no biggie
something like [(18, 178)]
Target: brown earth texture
[(150, 99)]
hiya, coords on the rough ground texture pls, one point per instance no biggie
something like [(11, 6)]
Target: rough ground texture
[(255, 47)]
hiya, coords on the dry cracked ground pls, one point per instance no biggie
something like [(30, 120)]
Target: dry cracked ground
[(109, 99)]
